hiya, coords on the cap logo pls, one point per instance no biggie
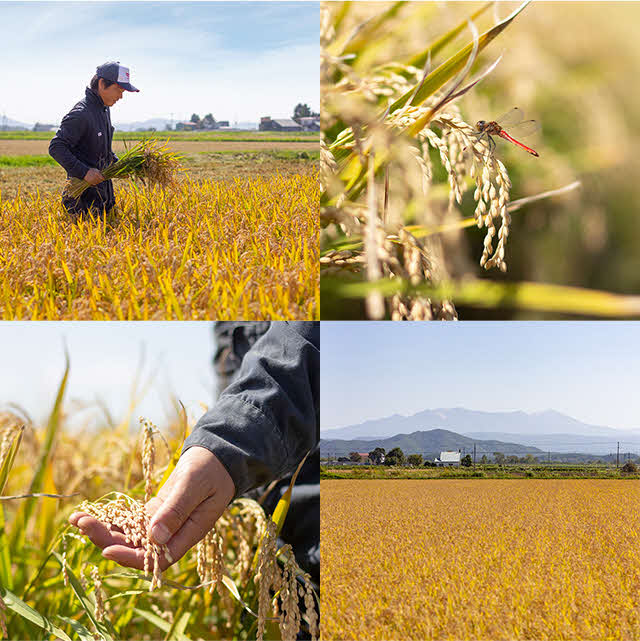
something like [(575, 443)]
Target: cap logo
[(123, 74)]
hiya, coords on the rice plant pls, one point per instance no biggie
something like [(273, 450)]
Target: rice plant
[(401, 162), (237, 583), (193, 250), (147, 160), (505, 560)]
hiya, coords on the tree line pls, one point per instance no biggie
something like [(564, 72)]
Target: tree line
[(396, 456)]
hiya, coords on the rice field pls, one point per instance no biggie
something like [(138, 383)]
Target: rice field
[(202, 249), (488, 559), (55, 584)]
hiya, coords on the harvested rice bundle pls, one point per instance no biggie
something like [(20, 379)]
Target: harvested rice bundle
[(149, 159)]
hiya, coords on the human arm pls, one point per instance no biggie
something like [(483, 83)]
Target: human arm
[(72, 129), (259, 430), (268, 419)]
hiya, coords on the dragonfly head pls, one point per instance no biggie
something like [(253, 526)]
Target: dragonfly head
[(481, 124)]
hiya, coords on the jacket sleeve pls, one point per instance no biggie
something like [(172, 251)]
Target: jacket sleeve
[(264, 423), (114, 158), (72, 128)]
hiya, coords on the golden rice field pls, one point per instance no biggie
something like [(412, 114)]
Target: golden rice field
[(490, 560), (54, 584), (244, 248)]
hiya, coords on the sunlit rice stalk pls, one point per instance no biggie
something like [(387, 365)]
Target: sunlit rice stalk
[(149, 160), (199, 597), (193, 250)]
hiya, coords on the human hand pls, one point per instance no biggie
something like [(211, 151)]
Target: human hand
[(193, 498), (93, 177)]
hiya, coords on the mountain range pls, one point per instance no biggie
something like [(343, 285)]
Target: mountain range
[(547, 430), (429, 444), (152, 123)]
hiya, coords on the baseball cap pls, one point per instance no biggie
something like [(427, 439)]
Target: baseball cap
[(115, 72)]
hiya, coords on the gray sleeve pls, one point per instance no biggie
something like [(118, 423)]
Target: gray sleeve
[(72, 129), (264, 423)]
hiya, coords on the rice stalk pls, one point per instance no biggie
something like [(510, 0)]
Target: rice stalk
[(148, 160)]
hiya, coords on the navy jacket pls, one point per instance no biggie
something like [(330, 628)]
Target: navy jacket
[(269, 417), (84, 142)]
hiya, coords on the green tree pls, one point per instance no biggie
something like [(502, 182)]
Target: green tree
[(498, 457), (629, 468), (466, 461), (484, 460), (395, 457), (377, 455), (355, 457), (301, 111), (415, 460), (195, 119), (209, 122)]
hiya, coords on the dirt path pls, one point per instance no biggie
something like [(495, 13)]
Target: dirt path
[(40, 147)]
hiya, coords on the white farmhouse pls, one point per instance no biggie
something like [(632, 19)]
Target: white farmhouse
[(448, 459)]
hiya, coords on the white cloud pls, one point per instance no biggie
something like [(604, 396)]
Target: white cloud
[(181, 63)]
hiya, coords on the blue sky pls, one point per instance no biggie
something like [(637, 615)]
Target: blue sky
[(590, 371), (105, 357), (238, 60)]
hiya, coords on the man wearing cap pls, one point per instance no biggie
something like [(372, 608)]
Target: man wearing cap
[(82, 145)]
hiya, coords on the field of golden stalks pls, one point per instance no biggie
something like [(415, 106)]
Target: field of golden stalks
[(55, 584), (464, 559), (243, 248)]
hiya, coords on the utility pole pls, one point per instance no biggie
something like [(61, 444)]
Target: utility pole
[(618, 456), (549, 457), (474, 456)]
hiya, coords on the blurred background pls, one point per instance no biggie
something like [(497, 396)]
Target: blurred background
[(573, 66), (112, 365)]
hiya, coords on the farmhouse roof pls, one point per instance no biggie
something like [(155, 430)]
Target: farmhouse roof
[(286, 122)]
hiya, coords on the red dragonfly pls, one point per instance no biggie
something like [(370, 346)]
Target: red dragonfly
[(514, 121)]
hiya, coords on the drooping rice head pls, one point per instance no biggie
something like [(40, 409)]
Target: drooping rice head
[(149, 160)]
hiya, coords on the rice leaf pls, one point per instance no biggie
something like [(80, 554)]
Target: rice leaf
[(120, 595), (282, 508), (88, 604), (179, 626), (160, 623), (420, 59), (361, 38), (26, 509), (538, 297), (233, 588), (53, 424), (6, 575), (78, 628), (448, 69), (176, 455), (26, 612)]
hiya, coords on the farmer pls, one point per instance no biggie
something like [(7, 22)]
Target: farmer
[(82, 145), (262, 426)]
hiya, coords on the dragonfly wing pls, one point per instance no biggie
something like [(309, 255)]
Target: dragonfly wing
[(525, 128), (511, 118)]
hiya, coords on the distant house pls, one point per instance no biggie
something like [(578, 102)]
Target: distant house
[(186, 126), (223, 123), (279, 124), (39, 126), (448, 459), (309, 123)]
